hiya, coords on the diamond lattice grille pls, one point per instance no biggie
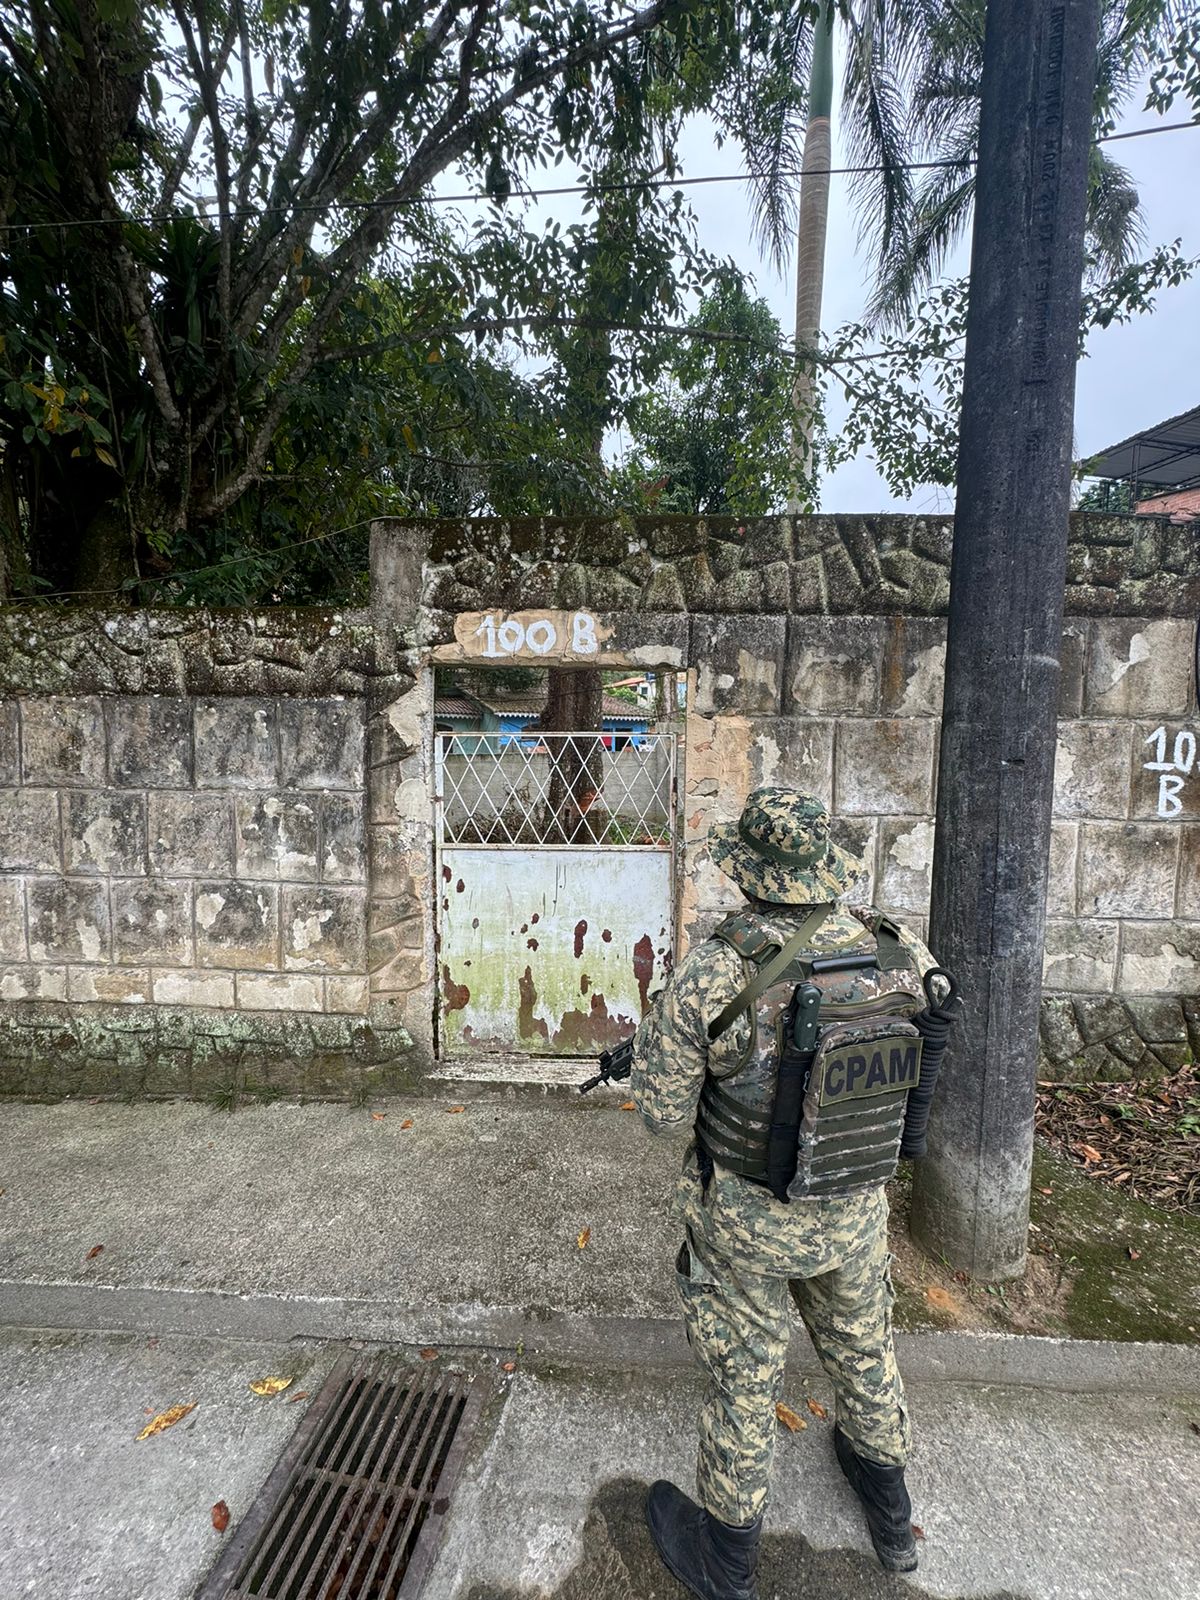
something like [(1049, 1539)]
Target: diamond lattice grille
[(555, 790)]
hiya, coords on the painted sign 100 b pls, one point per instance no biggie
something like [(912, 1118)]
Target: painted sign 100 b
[(530, 635)]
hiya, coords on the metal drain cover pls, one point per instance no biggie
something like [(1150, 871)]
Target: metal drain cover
[(352, 1509)]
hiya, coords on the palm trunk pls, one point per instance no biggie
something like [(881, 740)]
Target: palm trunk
[(810, 254)]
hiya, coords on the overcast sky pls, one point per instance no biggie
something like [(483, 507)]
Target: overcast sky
[(1134, 376)]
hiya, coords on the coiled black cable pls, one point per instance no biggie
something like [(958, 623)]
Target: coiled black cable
[(934, 1025)]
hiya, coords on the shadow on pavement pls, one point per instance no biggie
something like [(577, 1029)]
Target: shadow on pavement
[(619, 1562)]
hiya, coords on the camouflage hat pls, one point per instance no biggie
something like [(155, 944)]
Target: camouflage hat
[(779, 850)]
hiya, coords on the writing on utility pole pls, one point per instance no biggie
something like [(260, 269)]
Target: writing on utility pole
[(1173, 768), (1045, 233)]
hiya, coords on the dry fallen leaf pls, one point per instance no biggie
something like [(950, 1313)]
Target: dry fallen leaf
[(453, 1110), (407, 1123), (1089, 1153), (918, 1530), (167, 1419), (220, 1516), (788, 1417), (429, 1354), (301, 1394), (271, 1386), (1045, 1191), (628, 1105), (583, 1238), (509, 1366), (378, 1116), (1134, 1255), (941, 1298), (817, 1409), (93, 1252)]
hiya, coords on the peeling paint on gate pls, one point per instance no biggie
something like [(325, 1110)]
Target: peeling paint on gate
[(602, 951)]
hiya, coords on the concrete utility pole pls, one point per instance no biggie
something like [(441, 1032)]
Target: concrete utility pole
[(996, 771)]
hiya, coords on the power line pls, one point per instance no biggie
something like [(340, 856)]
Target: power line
[(249, 213)]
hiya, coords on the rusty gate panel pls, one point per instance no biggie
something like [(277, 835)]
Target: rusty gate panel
[(551, 952), (555, 926)]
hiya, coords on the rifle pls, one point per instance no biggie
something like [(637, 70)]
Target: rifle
[(615, 1066)]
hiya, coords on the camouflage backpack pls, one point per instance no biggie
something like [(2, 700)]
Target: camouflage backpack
[(816, 1104)]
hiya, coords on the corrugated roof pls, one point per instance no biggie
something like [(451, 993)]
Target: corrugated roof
[(455, 706), (1166, 456), (532, 705)]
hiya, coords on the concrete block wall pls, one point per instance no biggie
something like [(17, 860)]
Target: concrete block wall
[(216, 828), (817, 648), (183, 873), (848, 708), (193, 851)]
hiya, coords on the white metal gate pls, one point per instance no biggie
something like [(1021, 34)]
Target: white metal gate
[(555, 890)]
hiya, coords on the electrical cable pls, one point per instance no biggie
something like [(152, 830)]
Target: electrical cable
[(247, 213)]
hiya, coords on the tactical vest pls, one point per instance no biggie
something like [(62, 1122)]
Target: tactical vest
[(867, 1057)]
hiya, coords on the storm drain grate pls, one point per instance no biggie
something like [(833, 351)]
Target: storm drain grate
[(353, 1508)]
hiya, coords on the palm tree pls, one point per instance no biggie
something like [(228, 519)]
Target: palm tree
[(911, 80), (943, 126)]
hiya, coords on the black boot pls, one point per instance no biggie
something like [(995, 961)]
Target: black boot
[(885, 1500), (708, 1557)]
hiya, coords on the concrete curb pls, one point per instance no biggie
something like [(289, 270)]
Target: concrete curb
[(1077, 1366)]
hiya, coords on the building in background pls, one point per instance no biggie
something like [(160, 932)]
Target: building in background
[(1155, 472), (482, 721)]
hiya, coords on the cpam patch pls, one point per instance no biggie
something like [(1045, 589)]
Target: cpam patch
[(881, 1066)]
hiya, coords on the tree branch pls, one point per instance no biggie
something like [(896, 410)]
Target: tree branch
[(178, 167), (348, 259), (200, 60), (337, 167)]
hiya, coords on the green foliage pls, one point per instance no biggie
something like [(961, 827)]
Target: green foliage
[(714, 439), (904, 388), (938, 72), (1108, 496), (220, 223), (1176, 76)]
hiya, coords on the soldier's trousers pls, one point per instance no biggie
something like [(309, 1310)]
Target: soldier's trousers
[(738, 1321)]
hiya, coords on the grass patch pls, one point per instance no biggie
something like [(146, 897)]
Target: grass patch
[(1102, 1265)]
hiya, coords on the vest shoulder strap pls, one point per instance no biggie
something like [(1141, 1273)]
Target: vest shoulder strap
[(893, 956), (774, 969), (743, 934), (893, 953)]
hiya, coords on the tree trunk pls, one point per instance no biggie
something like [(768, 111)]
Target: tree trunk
[(810, 253), (575, 803), (1007, 579), (14, 560), (106, 556)]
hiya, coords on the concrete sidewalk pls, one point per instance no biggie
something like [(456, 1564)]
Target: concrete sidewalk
[(322, 1221), (1022, 1494), (319, 1220), (235, 1246)]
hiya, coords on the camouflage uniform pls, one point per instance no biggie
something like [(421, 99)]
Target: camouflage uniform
[(744, 1252)]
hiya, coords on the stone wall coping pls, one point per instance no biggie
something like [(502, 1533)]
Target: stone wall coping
[(886, 564)]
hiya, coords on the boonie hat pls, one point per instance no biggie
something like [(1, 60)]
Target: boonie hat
[(780, 850)]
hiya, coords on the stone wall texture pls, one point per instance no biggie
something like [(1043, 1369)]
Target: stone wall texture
[(856, 721), (216, 827)]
